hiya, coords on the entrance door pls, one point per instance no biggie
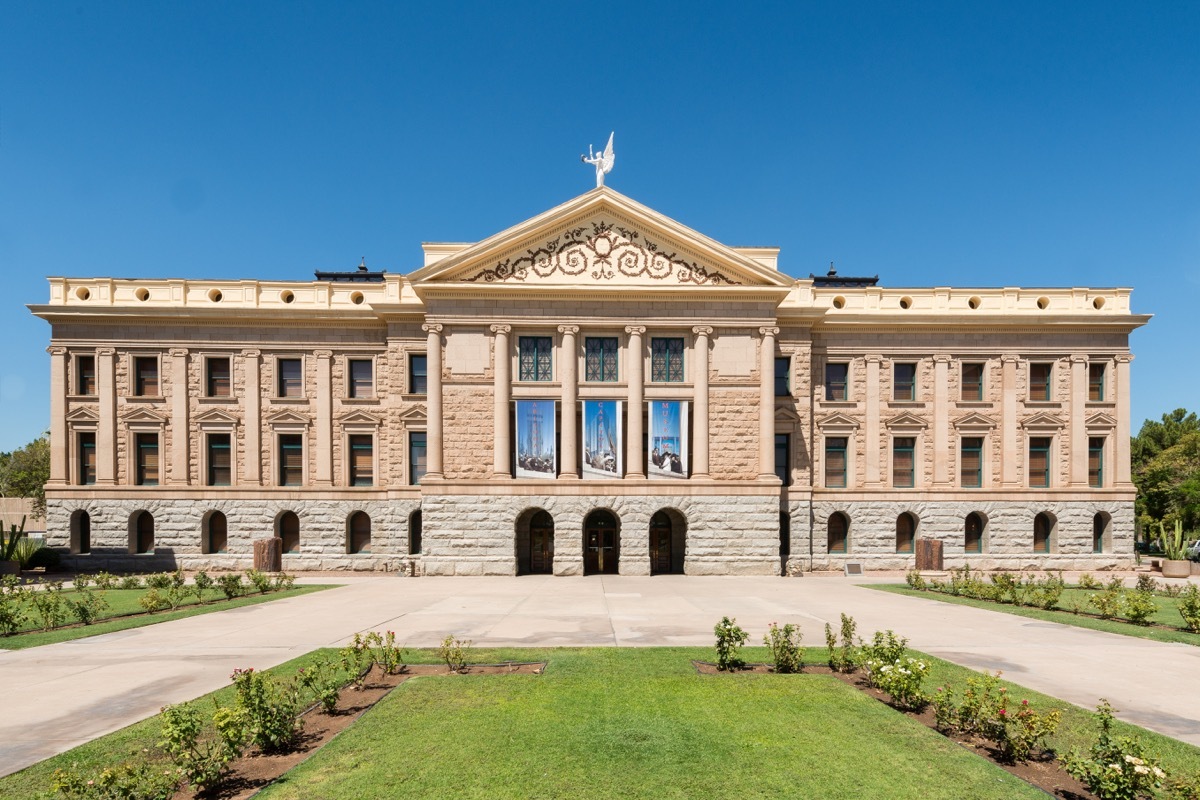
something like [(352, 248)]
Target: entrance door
[(601, 544), (541, 544), (660, 544)]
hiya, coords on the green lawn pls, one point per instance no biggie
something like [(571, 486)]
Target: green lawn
[(125, 602), (1168, 613)]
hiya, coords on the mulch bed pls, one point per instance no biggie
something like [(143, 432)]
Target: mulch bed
[(254, 771), (1042, 771)]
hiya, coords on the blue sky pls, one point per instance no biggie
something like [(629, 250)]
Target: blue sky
[(1010, 143)]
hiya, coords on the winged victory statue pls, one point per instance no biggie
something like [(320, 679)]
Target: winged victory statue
[(602, 161)]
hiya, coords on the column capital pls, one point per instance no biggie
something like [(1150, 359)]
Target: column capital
[(501, 330), (56, 351), (1078, 359), (1010, 358), (251, 353), (323, 353), (873, 358), (432, 327), (106, 351), (178, 352), (1123, 358), (702, 330), (768, 331), (942, 358), (635, 330), (568, 330)]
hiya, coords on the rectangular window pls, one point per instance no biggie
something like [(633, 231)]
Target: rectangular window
[(87, 459), (291, 459), (783, 368), (145, 376), (601, 358), (970, 471), (416, 457), (666, 360), (361, 380), (1096, 382), (418, 374), (291, 377), (217, 379), (783, 457), (535, 357), (835, 462), (1039, 382), (1096, 461), (1039, 463), (905, 386), (146, 468), (836, 376), (903, 465), (220, 459), (85, 375), (362, 459), (972, 382)]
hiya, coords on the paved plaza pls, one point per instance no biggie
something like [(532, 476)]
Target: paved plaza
[(65, 694)]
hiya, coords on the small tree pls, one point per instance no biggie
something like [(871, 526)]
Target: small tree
[(730, 639)]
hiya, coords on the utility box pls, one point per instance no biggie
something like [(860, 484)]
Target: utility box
[(929, 555), (268, 555)]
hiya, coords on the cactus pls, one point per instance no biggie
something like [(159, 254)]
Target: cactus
[(1174, 545), (8, 541)]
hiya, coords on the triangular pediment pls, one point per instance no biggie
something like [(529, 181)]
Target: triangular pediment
[(1100, 420), (1042, 421), (83, 414), (974, 422), (359, 418), (216, 416), (287, 418), (785, 414), (144, 415), (601, 239), (837, 421), (413, 414), (907, 420)]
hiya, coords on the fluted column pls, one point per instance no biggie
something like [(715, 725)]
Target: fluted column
[(700, 382), (324, 466), (941, 420), (59, 446), (871, 429), (1079, 443), (568, 367), (635, 466), (106, 428), (1122, 474), (766, 404), (1010, 464), (252, 397), (180, 435), (433, 403), (502, 392)]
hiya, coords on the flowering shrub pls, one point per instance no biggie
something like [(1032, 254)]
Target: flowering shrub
[(843, 657), (885, 648), (49, 605), (123, 782), (730, 639), (1044, 593), (323, 680), (131, 582), (1145, 583), (1115, 768), (12, 605), (900, 679), (86, 605), (454, 652), (202, 761), (261, 581), (231, 585), (271, 708), (1107, 603), (1139, 606), (104, 580), (914, 580), (784, 644), (986, 711), (358, 656), (1189, 607), (945, 710), (1088, 581), (201, 584), (154, 600)]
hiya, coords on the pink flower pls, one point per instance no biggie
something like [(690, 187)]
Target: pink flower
[(1003, 712), (1024, 702)]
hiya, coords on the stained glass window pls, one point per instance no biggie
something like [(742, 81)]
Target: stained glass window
[(601, 358), (535, 358), (666, 360)]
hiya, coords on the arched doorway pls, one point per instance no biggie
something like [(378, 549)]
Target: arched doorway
[(414, 533), (535, 543), (837, 530), (288, 529), (973, 533), (142, 538), (81, 532), (359, 533), (1043, 530), (601, 543), (1100, 531), (216, 533), (667, 543), (906, 528)]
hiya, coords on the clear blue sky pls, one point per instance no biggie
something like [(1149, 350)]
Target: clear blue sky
[(1012, 143)]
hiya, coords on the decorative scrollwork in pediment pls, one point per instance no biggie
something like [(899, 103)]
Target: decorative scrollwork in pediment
[(605, 252)]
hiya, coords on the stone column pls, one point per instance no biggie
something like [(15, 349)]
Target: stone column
[(324, 409), (766, 404), (1010, 469), (1122, 474), (252, 394), (1079, 443), (635, 464), (700, 382), (502, 392), (59, 446), (180, 435), (871, 428), (433, 403), (568, 462), (941, 420), (106, 427)]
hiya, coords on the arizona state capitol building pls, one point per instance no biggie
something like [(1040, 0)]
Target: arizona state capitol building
[(599, 389)]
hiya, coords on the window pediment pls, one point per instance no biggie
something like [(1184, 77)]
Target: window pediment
[(1042, 422), (975, 423), (413, 414), (360, 419), (906, 422), (786, 414), (837, 423), (287, 418), (1100, 423), (83, 415), (144, 416), (216, 416)]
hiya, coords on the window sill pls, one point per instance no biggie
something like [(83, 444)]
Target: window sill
[(145, 398), (906, 404), (360, 401), (973, 404), (82, 398), (290, 401), (1089, 404), (1043, 404), (217, 400)]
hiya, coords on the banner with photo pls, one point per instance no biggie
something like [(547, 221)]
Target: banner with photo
[(668, 439), (537, 456), (603, 450)]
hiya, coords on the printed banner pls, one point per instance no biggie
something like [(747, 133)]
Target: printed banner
[(668, 439), (537, 456), (603, 450)]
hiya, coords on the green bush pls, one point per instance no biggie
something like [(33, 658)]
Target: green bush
[(1088, 581), (784, 644), (123, 782), (160, 580), (454, 652), (231, 585), (985, 710), (261, 581), (1114, 768), (842, 657), (13, 605), (1139, 606), (283, 582), (202, 583), (105, 580), (131, 582), (1189, 607), (885, 648), (203, 761), (271, 709), (154, 600), (323, 681), (902, 680), (49, 607), (914, 580), (730, 639), (86, 605), (1107, 603)]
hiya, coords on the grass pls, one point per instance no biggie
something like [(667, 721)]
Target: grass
[(1168, 613), (124, 602)]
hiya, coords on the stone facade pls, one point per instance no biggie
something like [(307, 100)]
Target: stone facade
[(385, 402)]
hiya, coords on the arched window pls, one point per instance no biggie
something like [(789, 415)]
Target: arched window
[(359, 533), (1100, 524), (973, 533), (838, 528), (142, 538), (906, 528), (288, 529), (414, 533), (81, 532), (215, 533), (1043, 528)]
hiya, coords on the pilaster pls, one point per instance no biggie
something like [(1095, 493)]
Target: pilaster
[(568, 367), (1123, 477), (180, 435), (252, 397), (1078, 431), (1010, 469), (433, 404), (871, 426), (59, 446), (941, 420), (324, 418), (106, 428), (635, 467), (700, 384), (766, 405), (502, 393)]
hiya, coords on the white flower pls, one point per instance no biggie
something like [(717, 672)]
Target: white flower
[(1158, 773), (1141, 770)]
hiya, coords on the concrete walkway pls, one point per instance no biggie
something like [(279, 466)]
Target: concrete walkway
[(62, 695)]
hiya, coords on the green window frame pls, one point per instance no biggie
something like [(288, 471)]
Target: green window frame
[(600, 359), (904, 386), (666, 359), (535, 357), (837, 378), (220, 459), (970, 473)]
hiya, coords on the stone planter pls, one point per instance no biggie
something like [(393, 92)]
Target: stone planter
[(1176, 569), (1195, 567), (10, 567)]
